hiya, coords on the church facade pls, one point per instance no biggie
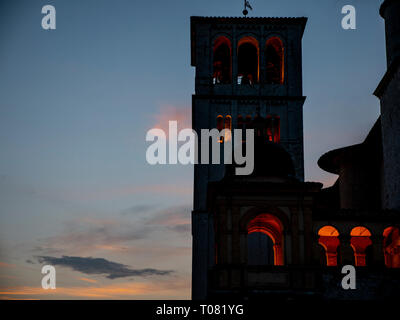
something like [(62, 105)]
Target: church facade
[(270, 233)]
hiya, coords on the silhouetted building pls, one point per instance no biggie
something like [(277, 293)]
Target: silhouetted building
[(270, 233)]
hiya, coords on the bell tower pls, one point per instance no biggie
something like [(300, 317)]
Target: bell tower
[(248, 75)]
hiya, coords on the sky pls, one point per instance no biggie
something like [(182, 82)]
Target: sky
[(76, 103)]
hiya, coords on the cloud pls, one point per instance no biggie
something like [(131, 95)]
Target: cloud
[(89, 265), (172, 289), (181, 228), (138, 209), (176, 218), (178, 188), (172, 216), (172, 113), (86, 234), (88, 280)]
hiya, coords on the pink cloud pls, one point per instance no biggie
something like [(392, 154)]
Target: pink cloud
[(172, 113)]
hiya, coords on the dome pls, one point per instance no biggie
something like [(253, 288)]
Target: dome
[(270, 159)]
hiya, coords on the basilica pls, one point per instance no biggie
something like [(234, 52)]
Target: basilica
[(271, 233)]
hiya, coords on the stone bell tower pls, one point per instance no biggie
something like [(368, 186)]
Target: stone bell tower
[(389, 95), (248, 71)]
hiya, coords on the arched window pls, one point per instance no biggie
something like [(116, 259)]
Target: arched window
[(265, 240), (248, 56), (248, 122), (220, 123), (222, 61), (391, 247), (328, 239), (224, 123), (360, 241), (260, 249), (273, 128), (274, 61), (228, 126)]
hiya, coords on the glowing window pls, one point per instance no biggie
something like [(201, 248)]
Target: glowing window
[(391, 247), (248, 61), (273, 129), (360, 241), (220, 122), (228, 126), (328, 239), (274, 61), (222, 71), (224, 123), (270, 226)]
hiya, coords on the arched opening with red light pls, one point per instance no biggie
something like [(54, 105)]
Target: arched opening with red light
[(360, 242), (224, 123), (248, 61), (391, 247), (222, 70), (265, 240), (228, 127), (220, 122), (329, 240), (273, 128), (274, 61)]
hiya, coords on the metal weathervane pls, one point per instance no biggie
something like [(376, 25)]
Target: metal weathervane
[(246, 5)]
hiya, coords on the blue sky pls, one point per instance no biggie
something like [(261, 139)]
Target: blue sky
[(75, 106)]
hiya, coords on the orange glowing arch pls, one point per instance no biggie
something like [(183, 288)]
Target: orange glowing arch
[(328, 239), (360, 241), (272, 227)]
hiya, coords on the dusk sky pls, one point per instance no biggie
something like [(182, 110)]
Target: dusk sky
[(76, 103)]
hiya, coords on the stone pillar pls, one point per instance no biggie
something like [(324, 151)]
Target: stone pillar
[(278, 254), (234, 59), (295, 236), (346, 251), (308, 236), (235, 235)]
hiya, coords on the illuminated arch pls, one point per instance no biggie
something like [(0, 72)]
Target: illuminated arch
[(273, 128), (360, 241), (224, 123), (271, 226), (328, 239), (391, 247), (248, 60), (228, 126), (220, 122), (222, 57), (275, 64)]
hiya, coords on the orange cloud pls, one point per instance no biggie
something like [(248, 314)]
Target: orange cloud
[(88, 280), (138, 290)]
